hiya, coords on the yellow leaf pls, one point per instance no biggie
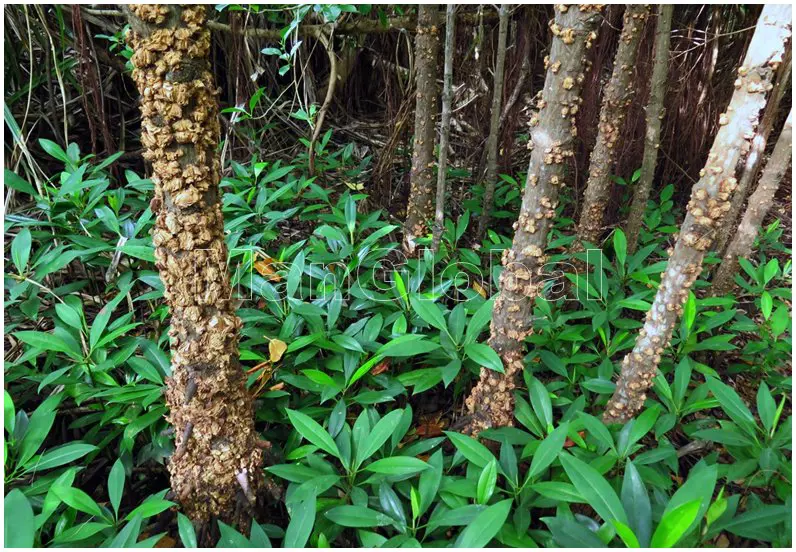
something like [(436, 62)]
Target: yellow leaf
[(477, 287), (277, 348)]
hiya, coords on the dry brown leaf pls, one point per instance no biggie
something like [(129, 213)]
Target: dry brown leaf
[(477, 287)]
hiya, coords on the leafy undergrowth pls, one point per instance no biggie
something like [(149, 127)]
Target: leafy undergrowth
[(360, 360)]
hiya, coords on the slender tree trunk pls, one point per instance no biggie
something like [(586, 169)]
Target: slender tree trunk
[(753, 160), (494, 122), (709, 202), (491, 402), (216, 467), (444, 135), (616, 100), (655, 112), (420, 207), (759, 203)]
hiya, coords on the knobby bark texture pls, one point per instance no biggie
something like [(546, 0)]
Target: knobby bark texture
[(420, 206), (494, 122), (553, 133), (216, 468), (709, 202), (617, 98), (445, 124), (753, 160), (654, 115), (759, 203)]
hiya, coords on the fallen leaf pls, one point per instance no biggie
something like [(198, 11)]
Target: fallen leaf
[(278, 387), (381, 367), (166, 542), (477, 287), (430, 426), (277, 348)]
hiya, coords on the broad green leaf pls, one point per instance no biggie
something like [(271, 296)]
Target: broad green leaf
[(18, 528), (479, 321), (486, 482), (636, 503), (78, 500), (20, 250), (485, 526), (484, 355), (569, 533), (540, 401), (313, 432), (302, 519), (116, 484), (379, 434), (186, 530), (397, 465), (471, 449), (674, 524), (595, 489), (428, 311), (732, 404), (358, 516), (626, 534), (59, 456), (548, 450)]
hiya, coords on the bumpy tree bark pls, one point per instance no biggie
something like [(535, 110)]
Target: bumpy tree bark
[(759, 203), (655, 111), (494, 122), (553, 131), (445, 123), (216, 466), (420, 207), (753, 160), (709, 202), (617, 98)]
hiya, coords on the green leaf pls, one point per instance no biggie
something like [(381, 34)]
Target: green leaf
[(569, 533), (428, 311), (46, 342), (302, 519), (69, 315), (766, 406), (732, 404), (479, 321), (78, 500), (382, 431), (674, 525), (128, 536), (80, 532), (397, 465), (548, 450), (620, 246), (486, 482), (187, 532), (485, 526), (626, 534), (756, 524), (313, 432), (60, 456), (471, 449), (636, 503), (766, 304), (595, 489), (540, 401), (358, 516), (429, 482), (231, 538), (484, 355), (20, 250), (116, 484), (18, 527), (9, 413)]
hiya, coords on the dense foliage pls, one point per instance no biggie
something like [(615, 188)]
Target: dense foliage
[(359, 359)]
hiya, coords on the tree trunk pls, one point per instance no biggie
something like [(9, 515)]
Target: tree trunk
[(759, 203), (753, 160), (444, 135), (494, 123), (655, 112), (216, 467), (617, 98), (491, 402), (709, 202), (420, 207)]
